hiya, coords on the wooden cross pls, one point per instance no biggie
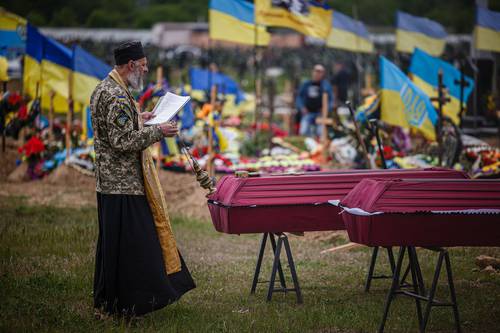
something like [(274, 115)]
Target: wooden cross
[(442, 99), (211, 154), (52, 95), (324, 122), (462, 83)]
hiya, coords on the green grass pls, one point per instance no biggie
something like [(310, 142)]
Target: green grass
[(46, 269)]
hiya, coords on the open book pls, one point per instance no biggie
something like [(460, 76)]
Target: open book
[(167, 107)]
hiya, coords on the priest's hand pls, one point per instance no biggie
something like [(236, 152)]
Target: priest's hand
[(169, 129), (145, 116)]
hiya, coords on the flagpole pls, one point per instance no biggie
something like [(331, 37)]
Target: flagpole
[(209, 63), (69, 116), (473, 54), (4, 114), (256, 79), (358, 57), (494, 81)]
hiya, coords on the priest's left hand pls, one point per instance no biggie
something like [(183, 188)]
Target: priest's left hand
[(147, 115)]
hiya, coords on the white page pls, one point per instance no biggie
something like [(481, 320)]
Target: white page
[(167, 107)]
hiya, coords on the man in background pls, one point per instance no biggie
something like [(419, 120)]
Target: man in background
[(340, 82), (309, 101)]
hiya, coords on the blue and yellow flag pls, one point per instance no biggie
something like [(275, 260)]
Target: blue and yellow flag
[(202, 80), (403, 103), (487, 30), (310, 18), (424, 69), (47, 67), (234, 21), (88, 71), (348, 34), (12, 33), (413, 32)]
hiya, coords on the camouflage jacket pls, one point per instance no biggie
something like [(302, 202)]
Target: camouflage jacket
[(118, 140)]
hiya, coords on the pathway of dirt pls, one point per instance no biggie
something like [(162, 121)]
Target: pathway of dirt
[(68, 187)]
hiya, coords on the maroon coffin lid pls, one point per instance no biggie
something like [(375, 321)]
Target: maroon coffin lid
[(424, 196), (310, 188), (423, 212)]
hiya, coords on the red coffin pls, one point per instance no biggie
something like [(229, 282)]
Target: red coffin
[(424, 213), (294, 203)]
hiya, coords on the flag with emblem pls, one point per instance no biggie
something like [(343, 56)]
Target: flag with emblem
[(311, 18), (403, 103), (12, 33)]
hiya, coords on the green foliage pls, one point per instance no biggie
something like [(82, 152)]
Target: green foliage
[(36, 18), (456, 15), (65, 17), (252, 146)]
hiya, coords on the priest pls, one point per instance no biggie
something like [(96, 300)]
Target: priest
[(138, 267)]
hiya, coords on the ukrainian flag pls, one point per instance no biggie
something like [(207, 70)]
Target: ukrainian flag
[(424, 69), (12, 33), (202, 80), (413, 32), (487, 30), (47, 67), (348, 34), (310, 18), (403, 103), (4, 69), (88, 71), (233, 21)]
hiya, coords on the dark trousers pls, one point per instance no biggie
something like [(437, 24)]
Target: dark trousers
[(130, 276)]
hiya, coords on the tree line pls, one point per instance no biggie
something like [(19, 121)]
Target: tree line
[(456, 15)]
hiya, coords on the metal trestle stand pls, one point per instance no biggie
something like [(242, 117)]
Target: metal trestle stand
[(418, 291), (277, 267)]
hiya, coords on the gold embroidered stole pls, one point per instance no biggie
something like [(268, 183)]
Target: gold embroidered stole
[(156, 198)]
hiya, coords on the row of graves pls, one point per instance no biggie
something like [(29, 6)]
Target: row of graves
[(223, 133)]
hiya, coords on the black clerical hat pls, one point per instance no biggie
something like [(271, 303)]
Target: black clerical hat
[(128, 51)]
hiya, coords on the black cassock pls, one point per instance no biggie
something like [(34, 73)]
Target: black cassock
[(130, 276)]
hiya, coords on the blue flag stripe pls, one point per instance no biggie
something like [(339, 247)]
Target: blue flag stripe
[(421, 25), (86, 63), (240, 9), (488, 18), (344, 22), (427, 67)]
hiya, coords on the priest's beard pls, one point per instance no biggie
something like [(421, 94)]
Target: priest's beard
[(136, 79)]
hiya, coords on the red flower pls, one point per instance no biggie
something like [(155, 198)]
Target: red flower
[(22, 114), (14, 99), (33, 146)]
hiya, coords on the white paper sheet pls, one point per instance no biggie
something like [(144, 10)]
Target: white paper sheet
[(167, 107)]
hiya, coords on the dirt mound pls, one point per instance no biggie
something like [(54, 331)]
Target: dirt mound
[(184, 195), (8, 159), (67, 187), (69, 176), (19, 174)]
